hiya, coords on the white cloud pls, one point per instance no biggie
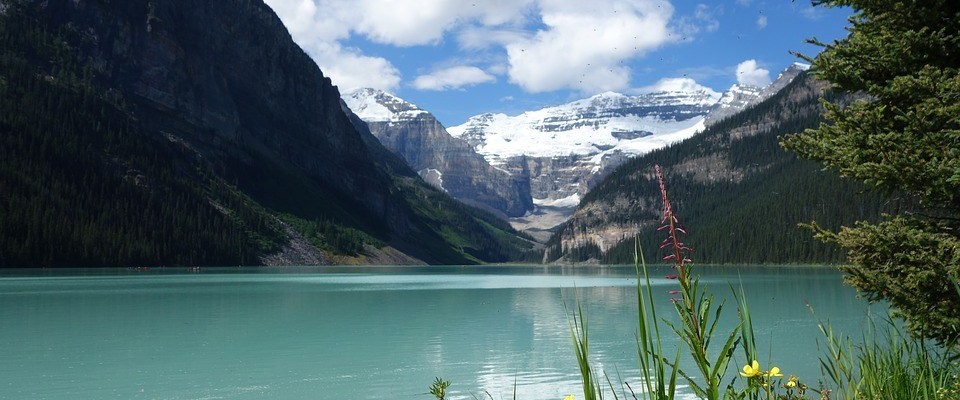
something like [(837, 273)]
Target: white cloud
[(452, 78), (749, 73), (319, 26), (584, 44), (676, 85), (539, 45), (477, 37), (420, 22), (761, 22), (317, 29), (349, 69), (703, 19)]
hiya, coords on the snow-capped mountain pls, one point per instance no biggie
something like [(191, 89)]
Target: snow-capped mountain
[(446, 162), (373, 105), (558, 152), (734, 100), (566, 148), (605, 123), (739, 97)]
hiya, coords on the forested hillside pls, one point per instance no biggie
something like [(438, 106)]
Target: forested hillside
[(132, 143), (740, 194)]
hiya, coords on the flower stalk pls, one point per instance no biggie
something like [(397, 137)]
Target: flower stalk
[(698, 314)]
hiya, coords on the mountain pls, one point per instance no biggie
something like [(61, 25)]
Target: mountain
[(447, 162), (585, 133), (739, 97), (739, 194), (567, 149), (182, 132), (734, 100)]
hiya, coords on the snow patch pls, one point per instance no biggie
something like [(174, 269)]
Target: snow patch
[(584, 127), (570, 201), (373, 105), (650, 143), (433, 177)]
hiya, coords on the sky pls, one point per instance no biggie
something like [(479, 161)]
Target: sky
[(459, 58)]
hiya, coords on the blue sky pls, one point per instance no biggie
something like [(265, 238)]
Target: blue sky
[(458, 58)]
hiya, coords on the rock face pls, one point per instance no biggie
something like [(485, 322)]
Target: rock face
[(225, 76), (224, 79), (447, 162), (566, 149), (739, 97)]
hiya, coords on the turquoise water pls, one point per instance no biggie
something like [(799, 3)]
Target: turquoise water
[(363, 333)]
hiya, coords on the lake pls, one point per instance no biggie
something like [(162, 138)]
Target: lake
[(367, 333)]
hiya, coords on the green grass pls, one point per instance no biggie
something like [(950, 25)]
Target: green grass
[(889, 365)]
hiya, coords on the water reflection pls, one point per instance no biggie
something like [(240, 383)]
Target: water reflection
[(369, 333)]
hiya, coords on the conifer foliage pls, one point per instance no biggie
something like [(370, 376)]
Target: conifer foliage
[(902, 137), (745, 194), (93, 172)]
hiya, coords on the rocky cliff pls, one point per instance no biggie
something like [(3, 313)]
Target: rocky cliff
[(447, 162), (565, 150)]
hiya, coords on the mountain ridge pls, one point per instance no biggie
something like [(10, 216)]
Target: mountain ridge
[(212, 121), (738, 191)]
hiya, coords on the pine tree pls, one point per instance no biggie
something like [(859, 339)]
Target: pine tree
[(901, 137)]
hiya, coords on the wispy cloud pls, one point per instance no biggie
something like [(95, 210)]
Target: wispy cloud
[(703, 19), (808, 11), (479, 37), (452, 78)]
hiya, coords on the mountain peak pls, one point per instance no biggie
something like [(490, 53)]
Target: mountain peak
[(739, 97), (608, 95), (374, 105)]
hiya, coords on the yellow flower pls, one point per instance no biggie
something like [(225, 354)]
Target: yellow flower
[(569, 397), (751, 370), (792, 382), (774, 372)]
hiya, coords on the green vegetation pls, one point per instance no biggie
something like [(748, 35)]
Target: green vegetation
[(83, 186), (902, 137), (749, 212), (439, 388), (332, 237), (90, 178), (450, 230), (886, 366)]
